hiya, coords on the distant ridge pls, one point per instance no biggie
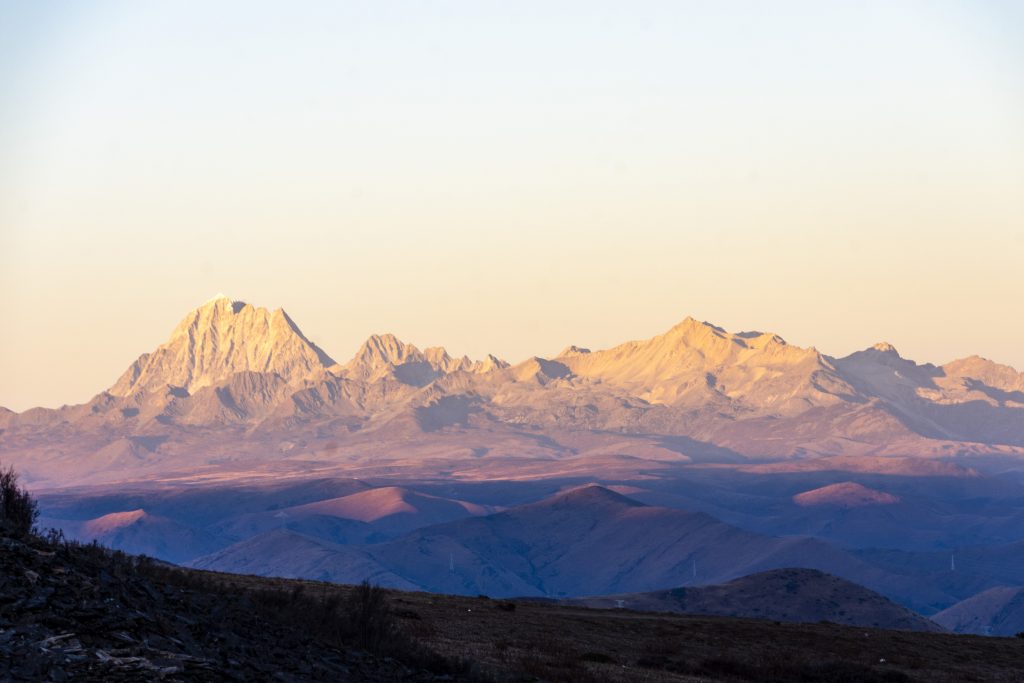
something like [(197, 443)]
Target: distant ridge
[(582, 541), (794, 595)]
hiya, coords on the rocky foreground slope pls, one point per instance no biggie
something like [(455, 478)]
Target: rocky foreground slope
[(82, 613)]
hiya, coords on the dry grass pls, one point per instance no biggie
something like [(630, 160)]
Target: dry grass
[(543, 641), (355, 617)]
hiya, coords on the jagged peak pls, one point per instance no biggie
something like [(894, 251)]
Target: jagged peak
[(975, 359), (382, 354), (383, 340), (697, 333), (220, 338), (221, 310), (682, 364), (882, 353), (885, 347), (274, 319), (704, 336), (541, 370), (690, 323), (386, 348), (1004, 375), (755, 338), (222, 301), (491, 362), (572, 350), (441, 360), (437, 352)]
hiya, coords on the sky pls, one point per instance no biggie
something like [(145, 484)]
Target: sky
[(508, 177)]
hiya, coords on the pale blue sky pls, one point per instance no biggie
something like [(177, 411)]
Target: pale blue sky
[(508, 177)]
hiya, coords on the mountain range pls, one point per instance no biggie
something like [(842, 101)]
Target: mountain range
[(237, 385), (690, 459)]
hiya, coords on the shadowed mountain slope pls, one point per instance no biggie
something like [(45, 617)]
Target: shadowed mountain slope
[(140, 533), (288, 554), (585, 541), (998, 611), (796, 595)]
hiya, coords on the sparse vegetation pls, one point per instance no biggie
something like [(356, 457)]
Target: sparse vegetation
[(362, 619), (368, 617), (18, 510), (47, 564)]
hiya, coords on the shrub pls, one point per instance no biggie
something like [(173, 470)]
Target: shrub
[(18, 511), (368, 617), (54, 537)]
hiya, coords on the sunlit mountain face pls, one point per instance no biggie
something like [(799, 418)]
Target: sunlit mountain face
[(240, 390)]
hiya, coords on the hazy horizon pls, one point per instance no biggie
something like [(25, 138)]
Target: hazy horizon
[(508, 179)]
